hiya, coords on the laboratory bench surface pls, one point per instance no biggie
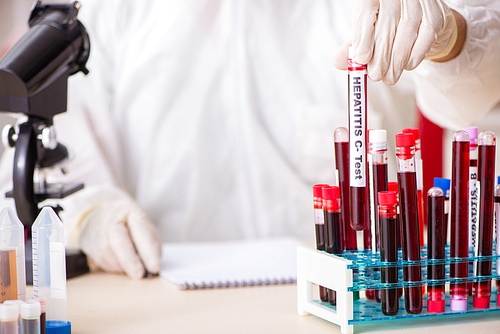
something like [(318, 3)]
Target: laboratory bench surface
[(106, 303)]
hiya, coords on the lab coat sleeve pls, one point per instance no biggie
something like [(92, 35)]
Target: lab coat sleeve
[(456, 93)]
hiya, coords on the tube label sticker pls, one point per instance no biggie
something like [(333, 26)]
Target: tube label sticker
[(357, 128), (319, 217), (57, 270), (476, 246), (473, 207)]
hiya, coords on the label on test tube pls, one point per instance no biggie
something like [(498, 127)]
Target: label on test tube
[(357, 128), (474, 207), (57, 278), (476, 246)]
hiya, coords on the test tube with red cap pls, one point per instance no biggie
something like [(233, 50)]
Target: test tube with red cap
[(420, 180), (485, 180), (333, 227), (436, 243), (459, 212), (378, 173), (358, 166), (407, 183), (341, 139), (387, 212), (319, 222)]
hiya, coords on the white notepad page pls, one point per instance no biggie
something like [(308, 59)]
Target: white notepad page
[(196, 265)]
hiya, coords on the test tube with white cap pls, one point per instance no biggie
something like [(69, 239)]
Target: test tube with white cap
[(9, 319), (49, 268), (12, 265), (18, 303), (30, 317)]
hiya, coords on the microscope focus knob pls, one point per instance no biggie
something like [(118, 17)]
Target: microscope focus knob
[(9, 136), (48, 138)]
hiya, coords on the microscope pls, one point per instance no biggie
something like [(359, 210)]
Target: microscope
[(34, 81)]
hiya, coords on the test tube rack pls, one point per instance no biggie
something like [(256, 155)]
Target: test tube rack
[(359, 271)]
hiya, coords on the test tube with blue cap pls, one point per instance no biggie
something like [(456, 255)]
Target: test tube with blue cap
[(49, 269), (12, 265), (445, 184)]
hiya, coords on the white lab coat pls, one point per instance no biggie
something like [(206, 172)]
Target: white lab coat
[(218, 116)]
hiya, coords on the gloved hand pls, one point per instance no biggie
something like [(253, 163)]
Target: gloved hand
[(117, 235), (393, 35)]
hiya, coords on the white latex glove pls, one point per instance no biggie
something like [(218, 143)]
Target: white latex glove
[(117, 235), (393, 35)]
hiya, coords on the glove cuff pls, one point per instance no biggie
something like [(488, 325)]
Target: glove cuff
[(451, 43)]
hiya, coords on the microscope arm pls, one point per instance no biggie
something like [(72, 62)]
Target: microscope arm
[(24, 167)]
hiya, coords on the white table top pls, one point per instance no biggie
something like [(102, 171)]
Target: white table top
[(105, 303)]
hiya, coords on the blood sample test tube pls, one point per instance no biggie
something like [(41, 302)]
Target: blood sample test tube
[(393, 186), (459, 212), (473, 198), (407, 183), (473, 191), (436, 242), (420, 181), (319, 222), (445, 184), (485, 180), (358, 166), (341, 139), (333, 227), (388, 250), (378, 182), (497, 221)]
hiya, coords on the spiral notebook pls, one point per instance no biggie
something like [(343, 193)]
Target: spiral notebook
[(201, 265)]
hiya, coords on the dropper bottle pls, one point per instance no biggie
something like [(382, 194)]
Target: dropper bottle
[(49, 268), (13, 273)]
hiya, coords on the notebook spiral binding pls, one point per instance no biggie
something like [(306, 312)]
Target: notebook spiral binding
[(236, 284)]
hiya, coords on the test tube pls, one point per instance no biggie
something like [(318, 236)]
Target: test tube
[(497, 221), (12, 265), (320, 229), (43, 310), (341, 139), (473, 191), (30, 317), (49, 266), (393, 186), (18, 303), (436, 242), (485, 180), (473, 197), (379, 179), (405, 159), (358, 167), (387, 213), (445, 184), (420, 180), (9, 319), (459, 211), (333, 227)]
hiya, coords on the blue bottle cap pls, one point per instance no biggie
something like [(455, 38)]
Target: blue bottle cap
[(498, 179), (444, 184), (58, 327)]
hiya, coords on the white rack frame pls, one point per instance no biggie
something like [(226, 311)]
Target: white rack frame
[(329, 271)]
